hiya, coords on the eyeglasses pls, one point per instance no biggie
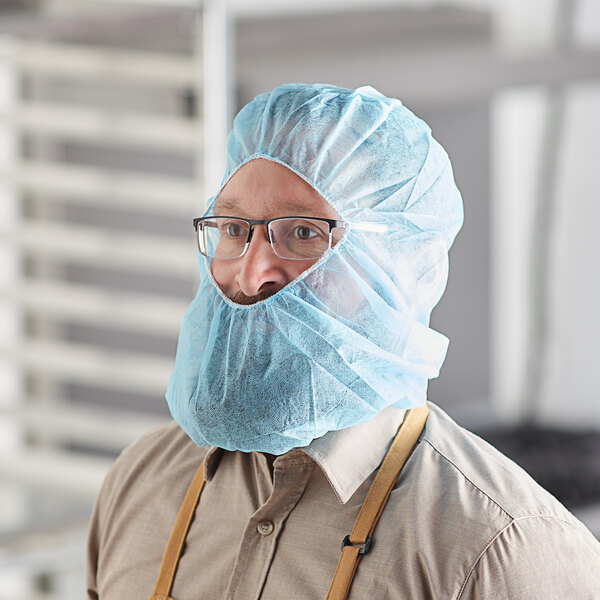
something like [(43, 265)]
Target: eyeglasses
[(293, 238)]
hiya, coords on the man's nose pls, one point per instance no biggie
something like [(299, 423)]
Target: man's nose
[(260, 267)]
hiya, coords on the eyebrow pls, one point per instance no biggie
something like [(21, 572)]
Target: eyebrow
[(226, 203), (231, 203)]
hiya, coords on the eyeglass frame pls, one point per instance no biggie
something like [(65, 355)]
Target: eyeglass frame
[(333, 223)]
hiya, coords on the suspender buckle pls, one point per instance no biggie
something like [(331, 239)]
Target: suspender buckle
[(364, 548)]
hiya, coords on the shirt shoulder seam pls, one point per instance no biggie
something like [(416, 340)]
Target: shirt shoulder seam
[(509, 515), (497, 536)]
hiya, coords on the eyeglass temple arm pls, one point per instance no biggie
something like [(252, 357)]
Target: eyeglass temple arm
[(206, 223), (374, 227)]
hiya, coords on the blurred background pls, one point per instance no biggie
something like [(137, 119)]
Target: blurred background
[(113, 116)]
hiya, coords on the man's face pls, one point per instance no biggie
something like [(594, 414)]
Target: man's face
[(260, 190)]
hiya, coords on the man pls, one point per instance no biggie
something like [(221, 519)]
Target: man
[(304, 351)]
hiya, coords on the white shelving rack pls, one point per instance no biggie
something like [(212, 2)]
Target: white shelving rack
[(105, 112)]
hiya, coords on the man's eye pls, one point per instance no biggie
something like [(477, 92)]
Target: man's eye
[(233, 230), (303, 232)]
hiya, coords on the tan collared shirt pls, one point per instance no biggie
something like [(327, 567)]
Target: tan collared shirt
[(463, 522)]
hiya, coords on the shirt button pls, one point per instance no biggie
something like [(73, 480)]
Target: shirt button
[(265, 527)]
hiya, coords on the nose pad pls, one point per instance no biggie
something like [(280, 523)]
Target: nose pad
[(271, 235), (251, 235)]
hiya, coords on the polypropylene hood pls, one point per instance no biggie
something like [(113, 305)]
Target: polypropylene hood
[(351, 335)]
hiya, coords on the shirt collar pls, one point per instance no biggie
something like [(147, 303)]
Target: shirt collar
[(346, 457)]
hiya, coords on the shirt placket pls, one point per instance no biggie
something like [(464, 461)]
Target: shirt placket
[(264, 527)]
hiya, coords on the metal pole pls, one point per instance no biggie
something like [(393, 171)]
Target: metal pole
[(216, 92)]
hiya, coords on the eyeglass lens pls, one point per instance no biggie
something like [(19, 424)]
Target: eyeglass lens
[(293, 238)]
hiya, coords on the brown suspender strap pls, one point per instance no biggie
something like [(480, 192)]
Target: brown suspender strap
[(170, 560), (359, 541), (354, 545)]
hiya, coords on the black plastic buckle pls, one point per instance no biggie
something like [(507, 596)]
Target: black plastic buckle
[(364, 548)]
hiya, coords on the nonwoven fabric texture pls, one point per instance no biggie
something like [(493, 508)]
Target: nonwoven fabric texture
[(350, 336)]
